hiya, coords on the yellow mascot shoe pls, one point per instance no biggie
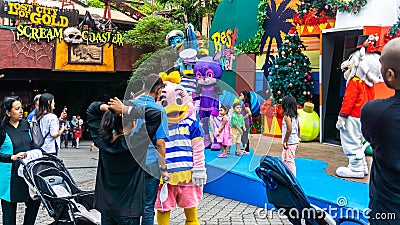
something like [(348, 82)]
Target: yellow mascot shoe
[(191, 216), (163, 217)]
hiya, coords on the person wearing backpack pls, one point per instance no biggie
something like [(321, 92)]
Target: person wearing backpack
[(15, 141), (49, 123)]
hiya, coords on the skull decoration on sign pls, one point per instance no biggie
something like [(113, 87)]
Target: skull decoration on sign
[(72, 36)]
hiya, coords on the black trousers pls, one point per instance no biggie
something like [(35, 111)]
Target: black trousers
[(9, 210), (245, 138)]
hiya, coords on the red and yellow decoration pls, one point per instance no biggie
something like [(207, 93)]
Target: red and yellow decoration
[(313, 30), (272, 116)]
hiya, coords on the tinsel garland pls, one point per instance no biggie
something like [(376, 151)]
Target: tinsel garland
[(393, 31), (315, 12), (352, 6)]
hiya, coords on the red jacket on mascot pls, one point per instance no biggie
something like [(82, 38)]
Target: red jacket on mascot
[(362, 70)]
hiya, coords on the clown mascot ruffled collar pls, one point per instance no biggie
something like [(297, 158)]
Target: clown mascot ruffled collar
[(184, 157), (362, 70)]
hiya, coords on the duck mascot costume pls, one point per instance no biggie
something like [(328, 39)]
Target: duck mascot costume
[(184, 157), (361, 71)]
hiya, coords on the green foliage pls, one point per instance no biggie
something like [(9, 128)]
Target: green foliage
[(153, 62), (291, 72), (351, 6), (147, 8), (95, 3), (253, 45), (394, 30), (150, 33), (329, 7), (192, 10), (318, 5), (257, 126)]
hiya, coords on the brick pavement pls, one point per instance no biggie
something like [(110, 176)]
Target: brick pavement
[(213, 210)]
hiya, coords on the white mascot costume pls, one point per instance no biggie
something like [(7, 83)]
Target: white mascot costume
[(362, 70)]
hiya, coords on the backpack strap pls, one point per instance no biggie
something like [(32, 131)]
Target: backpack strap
[(38, 120)]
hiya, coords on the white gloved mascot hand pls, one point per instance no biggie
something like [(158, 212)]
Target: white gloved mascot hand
[(199, 176), (341, 123)]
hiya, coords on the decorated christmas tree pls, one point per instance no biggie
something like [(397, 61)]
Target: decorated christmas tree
[(291, 72)]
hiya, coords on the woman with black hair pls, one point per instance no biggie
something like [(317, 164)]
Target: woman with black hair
[(246, 112), (290, 132), (120, 180), (49, 123), (15, 140)]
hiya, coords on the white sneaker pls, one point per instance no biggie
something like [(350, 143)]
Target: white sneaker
[(348, 173)]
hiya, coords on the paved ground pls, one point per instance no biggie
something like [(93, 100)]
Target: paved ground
[(213, 210)]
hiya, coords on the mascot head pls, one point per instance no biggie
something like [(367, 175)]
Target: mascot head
[(207, 71), (188, 59), (364, 63), (175, 39), (176, 102)]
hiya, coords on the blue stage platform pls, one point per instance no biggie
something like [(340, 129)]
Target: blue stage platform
[(235, 178)]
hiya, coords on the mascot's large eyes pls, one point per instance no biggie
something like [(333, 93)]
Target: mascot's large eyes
[(177, 40), (210, 74), (198, 75), (163, 101), (179, 98)]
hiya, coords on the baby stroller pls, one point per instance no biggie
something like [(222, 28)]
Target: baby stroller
[(49, 180), (286, 194)]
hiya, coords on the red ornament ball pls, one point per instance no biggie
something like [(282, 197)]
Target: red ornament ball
[(279, 92), (290, 85), (276, 66), (290, 64)]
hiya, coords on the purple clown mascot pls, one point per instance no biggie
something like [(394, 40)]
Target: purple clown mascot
[(207, 72)]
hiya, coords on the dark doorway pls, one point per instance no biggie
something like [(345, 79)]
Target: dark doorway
[(335, 46), (73, 90)]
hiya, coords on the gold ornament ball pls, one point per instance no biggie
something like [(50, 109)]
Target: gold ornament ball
[(308, 122)]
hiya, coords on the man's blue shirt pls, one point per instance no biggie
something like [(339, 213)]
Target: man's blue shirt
[(148, 101), (31, 114)]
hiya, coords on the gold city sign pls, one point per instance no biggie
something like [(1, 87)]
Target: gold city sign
[(37, 14)]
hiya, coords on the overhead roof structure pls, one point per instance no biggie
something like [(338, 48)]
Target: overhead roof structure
[(116, 16)]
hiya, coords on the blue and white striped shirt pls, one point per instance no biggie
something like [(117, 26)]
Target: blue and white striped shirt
[(179, 151)]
